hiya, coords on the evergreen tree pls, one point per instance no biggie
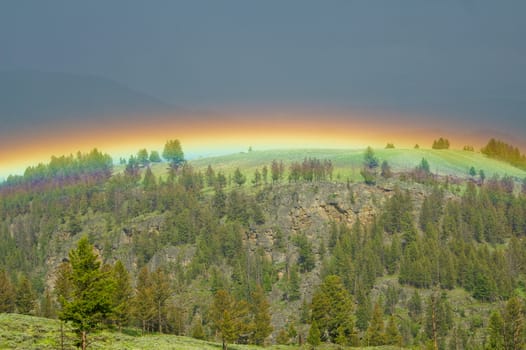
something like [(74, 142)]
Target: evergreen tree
[(482, 175), (274, 171), (210, 176), (132, 169), (25, 297), (369, 158), (375, 336), (91, 297), (331, 308), (228, 317), (414, 306), (239, 178), (386, 170), (161, 291), (197, 330), (363, 310), (495, 332), (47, 306), (256, 181), (314, 335), (306, 259), (122, 298), (7, 293), (173, 153), (63, 284), (293, 284), (282, 337), (149, 182), (155, 157), (514, 325), (259, 309), (441, 143), (292, 333), (264, 174), (142, 157), (143, 305), (392, 334), (439, 318)]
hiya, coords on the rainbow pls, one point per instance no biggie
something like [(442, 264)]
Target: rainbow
[(203, 134)]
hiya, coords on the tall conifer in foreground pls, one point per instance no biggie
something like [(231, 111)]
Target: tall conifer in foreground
[(91, 295)]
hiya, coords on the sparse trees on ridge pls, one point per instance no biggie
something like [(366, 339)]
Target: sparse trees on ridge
[(441, 143)]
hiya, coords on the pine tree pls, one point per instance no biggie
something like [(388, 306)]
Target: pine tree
[(495, 332), (363, 310), (314, 335), (228, 317), (375, 335), (154, 157), (91, 297), (331, 307), (293, 284), (122, 297), (161, 291), (25, 297), (439, 318), (292, 333), (259, 309), (143, 305), (414, 306), (149, 182), (282, 337), (173, 153), (239, 178), (7, 293), (514, 325), (392, 334), (386, 170), (142, 157), (63, 284), (197, 331), (264, 174), (210, 176), (256, 181), (47, 306)]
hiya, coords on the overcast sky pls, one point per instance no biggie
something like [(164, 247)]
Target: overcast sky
[(448, 59)]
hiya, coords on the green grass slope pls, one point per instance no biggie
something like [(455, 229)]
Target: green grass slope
[(28, 333), (347, 163)]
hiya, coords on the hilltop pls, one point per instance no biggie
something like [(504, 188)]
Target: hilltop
[(348, 162)]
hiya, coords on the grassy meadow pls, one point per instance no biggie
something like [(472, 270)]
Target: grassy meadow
[(32, 333), (347, 163)]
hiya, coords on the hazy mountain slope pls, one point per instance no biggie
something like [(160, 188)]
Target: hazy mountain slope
[(27, 96)]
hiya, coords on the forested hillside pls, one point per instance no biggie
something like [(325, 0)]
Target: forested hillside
[(287, 251)]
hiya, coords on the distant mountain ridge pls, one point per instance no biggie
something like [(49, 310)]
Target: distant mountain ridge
[(32, 96)]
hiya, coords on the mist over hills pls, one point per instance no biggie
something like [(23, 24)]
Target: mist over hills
[(28, 97)]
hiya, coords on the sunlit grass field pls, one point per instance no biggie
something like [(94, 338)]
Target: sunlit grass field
[(347, 163), (32, 333)]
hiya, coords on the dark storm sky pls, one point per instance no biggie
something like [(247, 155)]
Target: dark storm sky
[(454, 60)]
